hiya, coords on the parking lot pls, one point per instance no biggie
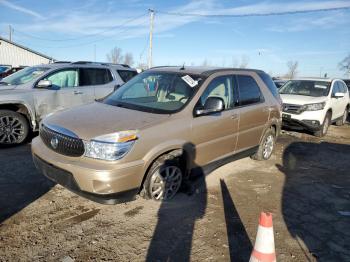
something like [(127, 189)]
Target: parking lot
[(306, 186)]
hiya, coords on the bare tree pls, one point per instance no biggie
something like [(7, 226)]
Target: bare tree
[(128, 59), (244, 61), (115, 56), (344, 65), (292, 69), (142, 66)]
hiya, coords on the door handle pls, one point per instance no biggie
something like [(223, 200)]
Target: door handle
[(76, 92), (234, 116)]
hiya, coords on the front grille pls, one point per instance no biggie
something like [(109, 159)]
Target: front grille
[(62, 143), (292, 109)]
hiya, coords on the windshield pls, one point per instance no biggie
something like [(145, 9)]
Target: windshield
[(306, 88), (157, 92), (23, 76)]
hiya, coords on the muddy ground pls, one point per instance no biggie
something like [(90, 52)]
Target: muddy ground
[(306, 185)]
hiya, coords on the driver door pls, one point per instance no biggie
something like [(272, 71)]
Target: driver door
[(64, 92), (215, 135)]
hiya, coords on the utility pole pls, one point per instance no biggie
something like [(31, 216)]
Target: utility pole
[(151, 11), (10, 33)]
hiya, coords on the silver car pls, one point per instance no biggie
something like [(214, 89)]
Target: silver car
[(29, 95)]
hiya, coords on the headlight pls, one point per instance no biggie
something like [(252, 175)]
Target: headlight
[(314, 107), (111, 146)]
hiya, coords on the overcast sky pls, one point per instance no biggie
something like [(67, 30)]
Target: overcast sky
[(70, 30)]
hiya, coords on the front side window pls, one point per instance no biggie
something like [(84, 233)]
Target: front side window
[(336, 88), (249, 91), (306, 88), (24, 76), (94, 76), (66, 78), (219, 87), (157, 92), (126, 75)]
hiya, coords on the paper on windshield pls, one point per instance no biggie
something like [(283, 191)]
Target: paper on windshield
[(190, 81), (321, 86)]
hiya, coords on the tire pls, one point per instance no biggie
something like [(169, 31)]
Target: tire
[(342, 121), (166, 175), (14, 128), (324, 127), (266, 147)]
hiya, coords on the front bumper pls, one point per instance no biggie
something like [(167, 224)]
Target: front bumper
[(102, 182), (311, 125)]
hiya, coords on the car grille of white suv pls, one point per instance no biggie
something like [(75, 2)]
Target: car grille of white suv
[(292, 109)]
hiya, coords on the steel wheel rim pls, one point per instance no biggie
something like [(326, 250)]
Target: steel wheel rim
[(268, 146), (325, 126), (165, 182), (11, 130)]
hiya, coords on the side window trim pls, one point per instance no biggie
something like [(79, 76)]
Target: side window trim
[(262, 98)]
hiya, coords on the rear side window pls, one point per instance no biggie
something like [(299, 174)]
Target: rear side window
[(270, 84), (126, 75), (249, 91), (94, 76)]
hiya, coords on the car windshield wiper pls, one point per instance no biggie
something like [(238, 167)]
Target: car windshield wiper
[(4, 83)]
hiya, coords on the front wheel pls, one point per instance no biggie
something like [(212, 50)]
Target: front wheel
[(324, 127), (163, 179), (342, 121), (14, 128), (266, 146)]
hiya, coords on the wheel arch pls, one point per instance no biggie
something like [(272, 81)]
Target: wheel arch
[(22, 108), (177, 151)]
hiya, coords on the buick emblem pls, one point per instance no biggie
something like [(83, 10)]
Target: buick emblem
[(54, 142)]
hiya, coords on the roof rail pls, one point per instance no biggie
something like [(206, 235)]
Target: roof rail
[(61, 62), (98, 63)]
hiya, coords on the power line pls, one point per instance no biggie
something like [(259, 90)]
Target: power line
[(256, 14), (81, 37)]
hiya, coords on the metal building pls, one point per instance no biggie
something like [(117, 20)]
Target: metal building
[(14, 54)]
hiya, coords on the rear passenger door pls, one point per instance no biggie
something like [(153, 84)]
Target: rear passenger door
[(253, 111), (98, 81)]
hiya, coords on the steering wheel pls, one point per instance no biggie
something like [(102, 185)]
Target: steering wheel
[(182, 98)]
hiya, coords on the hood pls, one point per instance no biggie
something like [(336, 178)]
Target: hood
[(301, 100), (96, 119), (6, 87), (13, 91)]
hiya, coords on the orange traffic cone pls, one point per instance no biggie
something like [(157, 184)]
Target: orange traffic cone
[(264, 248)]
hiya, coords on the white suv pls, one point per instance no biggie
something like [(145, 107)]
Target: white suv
[(314, 104)]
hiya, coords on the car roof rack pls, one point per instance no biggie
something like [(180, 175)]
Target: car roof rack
[(97, 63), (61, 62)]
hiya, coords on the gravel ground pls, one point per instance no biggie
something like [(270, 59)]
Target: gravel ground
[(306, 185)]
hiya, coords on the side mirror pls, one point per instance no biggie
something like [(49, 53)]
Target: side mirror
[(338, 95), (212, 105), (44, 84), (116, 87)]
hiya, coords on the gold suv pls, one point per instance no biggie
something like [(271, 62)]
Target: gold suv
[(148, 135)]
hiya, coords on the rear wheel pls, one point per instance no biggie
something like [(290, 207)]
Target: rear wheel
[(14, 128), (324, 127), (342, 121), (163, 179), (266, 146)]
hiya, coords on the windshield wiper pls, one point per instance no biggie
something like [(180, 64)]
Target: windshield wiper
[(4, 83)]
